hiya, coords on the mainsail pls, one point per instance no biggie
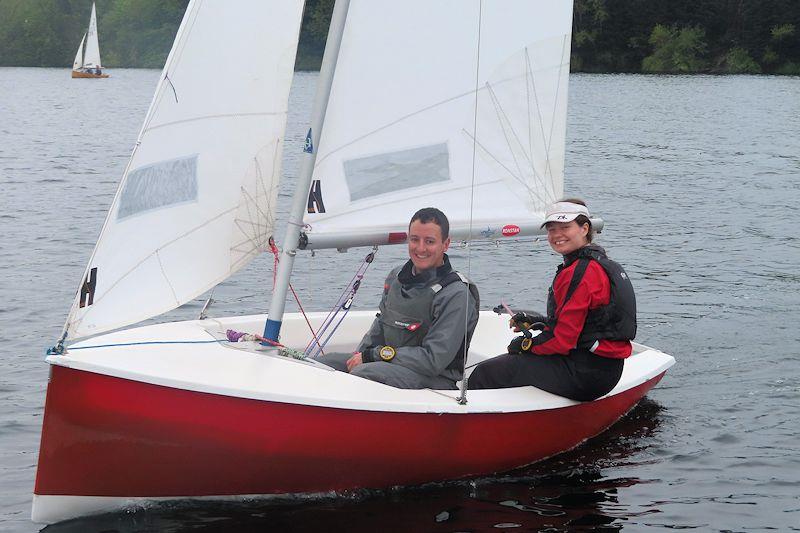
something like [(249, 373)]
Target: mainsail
[(197, 199), (78, 63), (467, 113), (92, 57)]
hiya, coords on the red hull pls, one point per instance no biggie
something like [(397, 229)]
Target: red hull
[(106, 436)]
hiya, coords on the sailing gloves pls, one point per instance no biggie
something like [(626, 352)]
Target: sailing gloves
[(526, 321), (520, 345)]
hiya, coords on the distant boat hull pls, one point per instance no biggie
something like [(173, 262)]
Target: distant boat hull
[(82, 74), (110, 442)]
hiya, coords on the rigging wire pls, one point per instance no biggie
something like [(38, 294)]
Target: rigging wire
[(462, 399), (344, 303)]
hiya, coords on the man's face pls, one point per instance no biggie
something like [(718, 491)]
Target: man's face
[(425, 245)]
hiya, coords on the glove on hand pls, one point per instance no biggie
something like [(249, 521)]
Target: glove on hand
[(529, 320), (520, 345), (368, 354)]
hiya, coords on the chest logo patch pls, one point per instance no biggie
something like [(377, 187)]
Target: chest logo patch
[(410, 326)]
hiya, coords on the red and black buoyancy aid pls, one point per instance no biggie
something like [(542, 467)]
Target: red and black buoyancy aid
[(615, 321)]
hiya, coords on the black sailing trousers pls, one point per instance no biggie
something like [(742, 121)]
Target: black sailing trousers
[(580, 375)]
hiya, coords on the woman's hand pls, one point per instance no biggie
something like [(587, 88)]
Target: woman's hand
[(525, 321), (520, 345)]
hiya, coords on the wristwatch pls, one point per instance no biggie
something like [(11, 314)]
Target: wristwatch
[(386, 353)]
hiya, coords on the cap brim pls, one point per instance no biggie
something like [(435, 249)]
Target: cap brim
[(560, 217)]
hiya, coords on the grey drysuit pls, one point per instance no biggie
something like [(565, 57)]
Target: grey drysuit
[(426, 323)]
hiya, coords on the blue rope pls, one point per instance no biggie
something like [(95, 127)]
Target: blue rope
[(144, 343)]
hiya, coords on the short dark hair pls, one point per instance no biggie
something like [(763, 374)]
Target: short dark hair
[(431, 214), (581, 219)]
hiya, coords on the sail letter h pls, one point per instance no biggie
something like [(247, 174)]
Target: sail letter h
[(87, 289), (315, 204)]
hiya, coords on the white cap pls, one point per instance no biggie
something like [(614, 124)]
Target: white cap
[(564, 212)]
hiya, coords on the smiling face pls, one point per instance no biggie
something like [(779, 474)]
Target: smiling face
[(425, 245), (566, 237)]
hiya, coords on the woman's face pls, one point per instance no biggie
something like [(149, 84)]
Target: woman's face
[(566, 237)]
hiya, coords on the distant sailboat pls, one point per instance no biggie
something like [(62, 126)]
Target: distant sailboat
[(87, 61)]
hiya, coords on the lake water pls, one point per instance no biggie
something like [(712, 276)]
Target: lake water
[(698, 180)]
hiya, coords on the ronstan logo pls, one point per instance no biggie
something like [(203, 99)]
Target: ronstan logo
[(509, 230)]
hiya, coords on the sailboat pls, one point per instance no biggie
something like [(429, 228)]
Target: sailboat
[(87, 61), (460, 104)]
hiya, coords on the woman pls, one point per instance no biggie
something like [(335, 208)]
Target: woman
[(591, 319)]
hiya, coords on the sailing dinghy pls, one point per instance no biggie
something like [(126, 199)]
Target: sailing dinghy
[(87, 61), (469, 115)]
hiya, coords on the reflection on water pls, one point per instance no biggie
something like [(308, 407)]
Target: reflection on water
[(568, 491)]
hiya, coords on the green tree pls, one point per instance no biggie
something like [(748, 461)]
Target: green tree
[(676, 50), (608, 35), (313, 33), (140, 32), (738, 61), (779, 52), (31, 36), (587, 26)]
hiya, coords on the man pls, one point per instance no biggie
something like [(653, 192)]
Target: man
[(428, 313)]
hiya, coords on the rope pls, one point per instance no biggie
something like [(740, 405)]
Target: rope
[(344, 302), (71, 348), (276, 256), (232, 337)]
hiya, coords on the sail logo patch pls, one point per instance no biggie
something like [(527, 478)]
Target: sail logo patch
[(309, 144), (315, 204), (87, 289), (510, 230), (488, 232)]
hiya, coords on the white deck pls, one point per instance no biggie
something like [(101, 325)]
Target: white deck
[(174, 355)]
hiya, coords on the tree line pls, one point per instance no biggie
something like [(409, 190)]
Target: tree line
[(658, 36)]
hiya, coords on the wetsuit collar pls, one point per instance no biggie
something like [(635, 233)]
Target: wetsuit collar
[(585, 251), (407, 276)]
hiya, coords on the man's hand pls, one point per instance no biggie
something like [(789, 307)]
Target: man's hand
[(354, 361), (525, 321)]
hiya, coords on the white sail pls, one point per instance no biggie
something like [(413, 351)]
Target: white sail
[(92, 57), (196, 202), (78, 63), (405, 127)]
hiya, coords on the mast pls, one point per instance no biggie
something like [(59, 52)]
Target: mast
[(291, 241)]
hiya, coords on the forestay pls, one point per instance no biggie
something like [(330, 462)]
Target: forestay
[(92, 57), (197, 199), (429, 96)]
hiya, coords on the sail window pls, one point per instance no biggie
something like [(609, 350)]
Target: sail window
[(393, 171), (159, 185)]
